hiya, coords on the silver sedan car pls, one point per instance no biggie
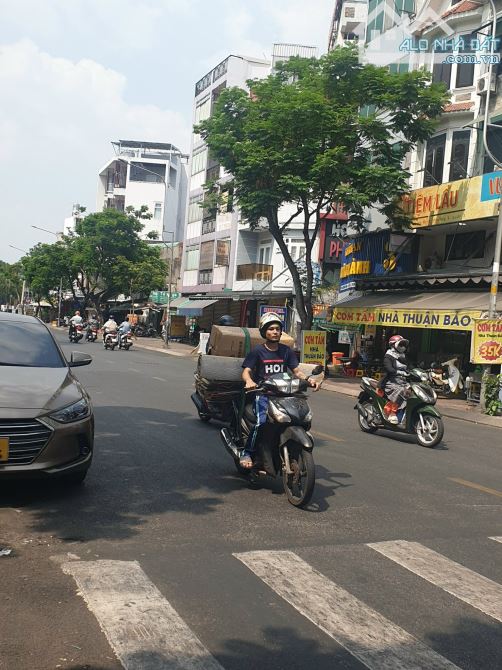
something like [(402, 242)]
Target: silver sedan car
[(46, 417)]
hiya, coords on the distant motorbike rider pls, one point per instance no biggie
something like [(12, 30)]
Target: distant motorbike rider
[(76, 320), (124, 328), (265, 360), (109, 327), (394, 382)]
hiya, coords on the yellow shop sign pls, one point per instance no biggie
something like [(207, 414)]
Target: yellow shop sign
[(452, 202), (486, 346), (406, 318)]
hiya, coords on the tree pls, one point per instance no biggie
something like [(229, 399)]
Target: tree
[(47, 267), (301, 137), (108, 257), (11, 282)]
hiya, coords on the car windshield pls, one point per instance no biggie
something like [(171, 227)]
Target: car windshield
[(29, 345)]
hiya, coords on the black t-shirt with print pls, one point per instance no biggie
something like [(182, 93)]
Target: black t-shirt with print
[(265, 363)]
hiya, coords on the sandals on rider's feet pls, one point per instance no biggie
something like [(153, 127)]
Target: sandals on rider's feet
[(245, 461)]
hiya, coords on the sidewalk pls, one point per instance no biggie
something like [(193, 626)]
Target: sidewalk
[(454, 409)]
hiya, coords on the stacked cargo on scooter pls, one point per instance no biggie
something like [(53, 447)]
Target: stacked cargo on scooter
[(236, 342)]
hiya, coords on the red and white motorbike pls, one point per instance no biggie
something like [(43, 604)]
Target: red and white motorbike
[(125, 341), (111, 340)]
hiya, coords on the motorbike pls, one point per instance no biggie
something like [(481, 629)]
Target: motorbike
[(285, 445), (76, 333), (91, 333), (445, 378), (111, 340), (145, 330), (125, 341), (419, 417)]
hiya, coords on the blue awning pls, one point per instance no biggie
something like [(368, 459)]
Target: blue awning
[(194, 307)]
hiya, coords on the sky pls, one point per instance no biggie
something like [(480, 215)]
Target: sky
[(76, 75)]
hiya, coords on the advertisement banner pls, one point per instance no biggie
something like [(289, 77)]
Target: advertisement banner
[(486, 346), (178, 326), (280, 310), (407, 318), (313, 349)]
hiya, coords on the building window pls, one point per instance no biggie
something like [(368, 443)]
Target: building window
[(194, 208), (206, 277), (441, 72), (465, 71), (206, 261), (199, 161), (157, 212), (494, 140), (192, 258), (265, 254), (434, 160), (459, 154), (222, 253), (465, 246), (208, 226), (149, 172), (220, 70)]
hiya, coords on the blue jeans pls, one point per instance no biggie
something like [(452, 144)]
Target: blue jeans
[(260, 406)]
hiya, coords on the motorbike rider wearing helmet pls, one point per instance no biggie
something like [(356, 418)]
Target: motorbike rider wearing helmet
[(265, 360), (76, 320), (109, 326), (394, 382)]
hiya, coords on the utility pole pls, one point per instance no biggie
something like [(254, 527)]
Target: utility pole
[(492, 307)]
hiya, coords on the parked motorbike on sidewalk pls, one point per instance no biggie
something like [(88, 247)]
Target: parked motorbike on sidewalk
[(76, 333), (125, 341), (445, 378), (419, 417), (110, 340)]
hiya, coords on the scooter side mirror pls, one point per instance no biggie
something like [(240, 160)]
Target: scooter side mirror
[(317, 371)]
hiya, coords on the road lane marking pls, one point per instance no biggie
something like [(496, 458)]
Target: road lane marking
[(466, 585), (160, 379), (325, 436), (374, 640), (144, 630), (497, 539), (478, 487)]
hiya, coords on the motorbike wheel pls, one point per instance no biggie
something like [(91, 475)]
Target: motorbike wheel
[(300, 485), (432, 434), (363, 424)]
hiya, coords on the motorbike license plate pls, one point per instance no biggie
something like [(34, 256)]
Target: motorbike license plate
[(4, 449)]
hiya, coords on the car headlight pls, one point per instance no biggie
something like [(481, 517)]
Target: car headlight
[(79, 410), (277, 414)]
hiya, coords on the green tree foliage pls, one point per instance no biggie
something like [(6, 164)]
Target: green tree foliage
[(301, 137), (11, 282), (105, 258)]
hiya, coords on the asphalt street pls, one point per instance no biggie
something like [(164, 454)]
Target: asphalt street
[(167, 558)]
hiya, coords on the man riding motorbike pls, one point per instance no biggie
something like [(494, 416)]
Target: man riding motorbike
[(124, 328), (109, 326), (267, 359), (76, 320), (394, 383)]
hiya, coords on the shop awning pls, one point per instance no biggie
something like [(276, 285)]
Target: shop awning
[(446, 310), (194, 307)]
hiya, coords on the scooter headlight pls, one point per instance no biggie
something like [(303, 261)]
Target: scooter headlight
[(277, 413), (421, 393)]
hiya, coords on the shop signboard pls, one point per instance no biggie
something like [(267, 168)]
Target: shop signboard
[(161, 297), (313, 348), (280, 310), (344, 337), (486, 345), (455, 201), (406, 318), (203, 342), (178, 326)]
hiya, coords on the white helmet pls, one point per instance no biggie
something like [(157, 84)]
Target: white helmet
[(267, 319)]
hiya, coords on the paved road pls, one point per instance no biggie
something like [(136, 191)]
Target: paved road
[(167, 559)]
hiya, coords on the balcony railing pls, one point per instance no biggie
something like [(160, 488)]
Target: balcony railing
[(255, 271), (208, 226)]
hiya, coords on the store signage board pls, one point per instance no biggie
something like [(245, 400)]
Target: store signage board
[(486, 345), (280, 310), (406, 318), (455, 201), (313, 350)]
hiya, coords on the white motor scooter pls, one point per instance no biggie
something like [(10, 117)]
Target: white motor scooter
[(447, 379)]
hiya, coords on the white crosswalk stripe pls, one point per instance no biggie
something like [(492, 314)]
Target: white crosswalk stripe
[(374, 640), (466, 585), (142, 627)]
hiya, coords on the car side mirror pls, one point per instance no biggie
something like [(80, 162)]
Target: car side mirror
[(78, 359)]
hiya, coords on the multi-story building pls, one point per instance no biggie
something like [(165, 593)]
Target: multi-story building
[(348, 23), (223, 259), (147, 173), (431, 283)]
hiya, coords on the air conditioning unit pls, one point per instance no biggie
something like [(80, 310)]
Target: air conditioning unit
[(484, 81)]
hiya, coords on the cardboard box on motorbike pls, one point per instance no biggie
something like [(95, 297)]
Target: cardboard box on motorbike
[(235, 342)]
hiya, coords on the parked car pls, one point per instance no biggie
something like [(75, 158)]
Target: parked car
[(46, 416)]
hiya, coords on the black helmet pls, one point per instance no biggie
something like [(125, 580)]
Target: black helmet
[(226, 320)]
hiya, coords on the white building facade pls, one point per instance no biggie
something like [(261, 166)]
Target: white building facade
[(147, 173)]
